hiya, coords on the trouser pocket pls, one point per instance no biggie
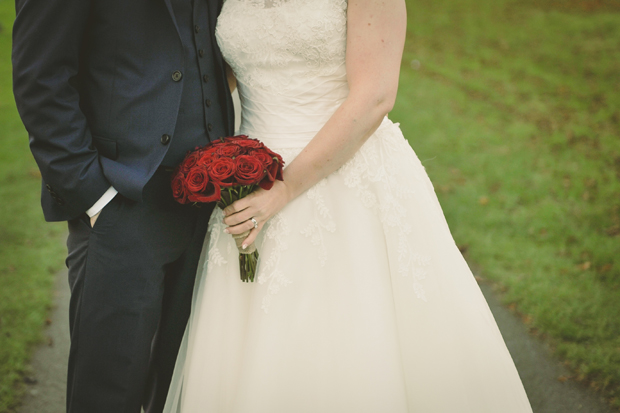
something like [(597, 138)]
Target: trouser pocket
[(106, 216)]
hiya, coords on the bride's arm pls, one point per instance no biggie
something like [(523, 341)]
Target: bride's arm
[(375, 39)]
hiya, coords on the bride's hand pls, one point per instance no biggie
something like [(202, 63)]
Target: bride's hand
[(260, 205)]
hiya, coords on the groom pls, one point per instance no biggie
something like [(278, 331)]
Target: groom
[(113, 93)]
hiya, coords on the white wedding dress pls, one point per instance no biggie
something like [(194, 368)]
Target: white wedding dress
[(363, 302)]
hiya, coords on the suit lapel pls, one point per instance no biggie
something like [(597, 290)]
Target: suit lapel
[(171, 11)]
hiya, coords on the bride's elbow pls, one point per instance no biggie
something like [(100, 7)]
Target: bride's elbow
[(373, 102), (384, 102), (384, 96)]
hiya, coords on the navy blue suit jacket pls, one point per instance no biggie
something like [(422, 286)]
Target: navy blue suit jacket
[(94, 85)]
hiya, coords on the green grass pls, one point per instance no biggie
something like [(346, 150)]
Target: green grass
[(31, 251), (514, 109)]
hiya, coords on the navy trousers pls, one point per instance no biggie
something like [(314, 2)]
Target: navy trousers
[(131, 278)]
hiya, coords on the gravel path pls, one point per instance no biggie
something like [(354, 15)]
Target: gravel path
[(49, 363), (539, 370)]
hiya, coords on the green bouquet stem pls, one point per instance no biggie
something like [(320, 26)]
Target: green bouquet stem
[(248, 258)]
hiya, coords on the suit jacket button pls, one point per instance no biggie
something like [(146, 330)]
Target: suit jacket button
[(210, 127), (201, 52), (165, 139), (205, 78), (208, 103), (177, 75)]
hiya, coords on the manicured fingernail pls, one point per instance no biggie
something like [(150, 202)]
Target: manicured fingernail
[(244, 246), (226, 230)]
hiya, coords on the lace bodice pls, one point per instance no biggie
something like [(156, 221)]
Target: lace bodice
[(288, 57), (276, 45)]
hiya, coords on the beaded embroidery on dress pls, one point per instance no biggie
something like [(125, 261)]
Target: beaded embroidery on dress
[(363, 303)]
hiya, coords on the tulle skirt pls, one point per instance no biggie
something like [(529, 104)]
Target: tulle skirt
[(363, 303)]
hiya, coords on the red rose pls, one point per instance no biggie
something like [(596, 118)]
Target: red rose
[(179, 189), (278, 172), (190, 160), (274, 155), (229, 150), (207, 158), (211, 193), (218, 142), (197, 180), (249, 170), (244, 142), (263, 157), (222, 171), (209, 149), (235, 138), (274, 171), (250, 143), (207, 154)]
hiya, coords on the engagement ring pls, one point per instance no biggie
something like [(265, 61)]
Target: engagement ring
[(254, 222)]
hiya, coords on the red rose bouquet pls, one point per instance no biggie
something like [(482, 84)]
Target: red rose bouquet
[(224, 171)]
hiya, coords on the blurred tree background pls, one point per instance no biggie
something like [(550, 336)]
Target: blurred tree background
[(514, 108)]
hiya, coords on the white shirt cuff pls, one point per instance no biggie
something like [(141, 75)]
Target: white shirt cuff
[(103, 201)]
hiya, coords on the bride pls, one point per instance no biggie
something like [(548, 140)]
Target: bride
[(362, 303)]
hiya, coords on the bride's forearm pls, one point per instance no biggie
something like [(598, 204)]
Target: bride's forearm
[(339, 139)]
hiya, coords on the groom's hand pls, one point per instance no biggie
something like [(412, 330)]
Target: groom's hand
[(93, 219)]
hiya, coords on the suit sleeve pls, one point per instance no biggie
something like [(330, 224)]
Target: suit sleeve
[(47, 38)]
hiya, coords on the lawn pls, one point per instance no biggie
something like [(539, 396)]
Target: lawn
[(514, 109), (31, 251)]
